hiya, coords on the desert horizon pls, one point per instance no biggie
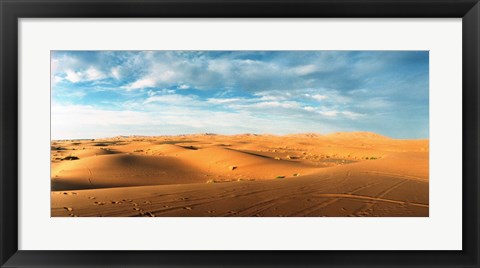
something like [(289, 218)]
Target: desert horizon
[(307, 174), (306, 134)]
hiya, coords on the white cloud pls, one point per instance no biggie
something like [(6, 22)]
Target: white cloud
[(54, 65), (258, 105), (74, 70), (352, 114), (319, 97), (374, 103), (59, 64), (219, 66), (151, 93), (83, 121), (57, 79), (285, 104), (93, 74), (73, 77), (142, 83), (152, 80), (166, 76), (305, 69), (75, 94), (272, 98), (172, 99), (115, 72), (169, 69), (334, 113), (223, 101), (273, 95), (330, 113)]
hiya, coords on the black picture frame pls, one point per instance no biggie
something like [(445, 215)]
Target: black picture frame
[(12, 10)]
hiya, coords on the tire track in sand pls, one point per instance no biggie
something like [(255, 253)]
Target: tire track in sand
[(314, 208)]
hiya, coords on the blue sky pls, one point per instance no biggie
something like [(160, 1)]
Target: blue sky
[(108, 93)]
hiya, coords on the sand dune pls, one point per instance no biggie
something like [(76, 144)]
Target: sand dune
[(243, 165), (167, 149), (342, 174), (120, 170)]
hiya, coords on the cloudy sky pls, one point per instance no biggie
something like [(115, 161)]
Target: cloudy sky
[(108, 93)]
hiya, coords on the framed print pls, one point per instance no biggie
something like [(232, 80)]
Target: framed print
[(230, 133)]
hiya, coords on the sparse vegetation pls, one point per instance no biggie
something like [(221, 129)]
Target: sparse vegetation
[(70, 157), (101, 144)]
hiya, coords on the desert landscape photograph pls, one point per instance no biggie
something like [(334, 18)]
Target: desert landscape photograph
[(239, 134)]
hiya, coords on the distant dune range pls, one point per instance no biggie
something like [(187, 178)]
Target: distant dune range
[(342, 174)]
